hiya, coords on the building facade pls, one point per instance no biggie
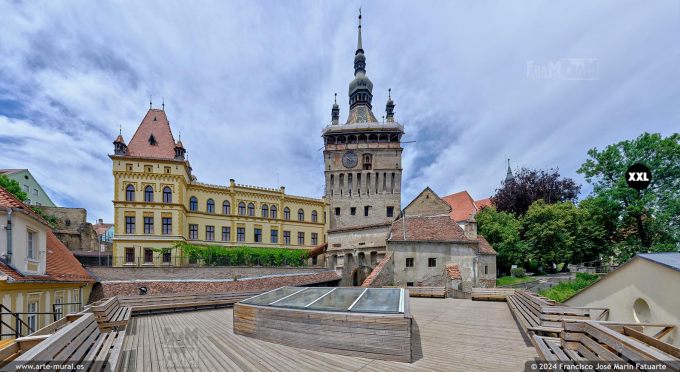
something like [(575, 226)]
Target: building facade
[(362, 169), (40, 280), (158, 202), (35, 192)]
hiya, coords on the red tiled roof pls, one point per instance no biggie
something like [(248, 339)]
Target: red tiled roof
[(484, 246), (452, 271), (319, 249), (8, 200), (427, 228), (101, 228), (482, 203), (154, 123), (462, 205)]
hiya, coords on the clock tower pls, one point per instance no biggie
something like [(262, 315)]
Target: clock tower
[(362, 159)]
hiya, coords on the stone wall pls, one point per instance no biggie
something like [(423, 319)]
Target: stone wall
[(128, 288), (72, 228), (427, 204), (173, 273), (383, 274)]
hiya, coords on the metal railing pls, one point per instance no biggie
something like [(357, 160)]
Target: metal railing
[(19, 327), (179, 261)]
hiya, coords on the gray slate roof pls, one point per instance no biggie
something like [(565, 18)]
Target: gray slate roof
[(669, 259)]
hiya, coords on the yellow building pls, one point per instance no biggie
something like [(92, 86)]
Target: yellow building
[(158, 202), (40, 279)]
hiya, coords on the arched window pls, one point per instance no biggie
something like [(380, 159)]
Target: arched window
[(130, 193), (241, 209), (315, 217), (301, 215), (167, 195), (193, 204), (251, 209), (265, 210), (272, 211), (286, 213), (148, 194), (226, 207), (210, 206)]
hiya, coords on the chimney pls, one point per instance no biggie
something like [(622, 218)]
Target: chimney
[(471, 228), (100, 221)]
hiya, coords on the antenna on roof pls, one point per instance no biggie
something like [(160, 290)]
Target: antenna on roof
[(150, 101), (163, 104)]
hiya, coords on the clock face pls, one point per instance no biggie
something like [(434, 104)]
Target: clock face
[(349, 160)]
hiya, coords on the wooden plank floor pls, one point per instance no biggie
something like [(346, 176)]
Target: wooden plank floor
[(451, 335)]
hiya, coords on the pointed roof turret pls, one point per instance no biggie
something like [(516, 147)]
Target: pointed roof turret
[(335, 111), (389, 107), (119, 146), (508, 175), (153, 138), (361, 88)]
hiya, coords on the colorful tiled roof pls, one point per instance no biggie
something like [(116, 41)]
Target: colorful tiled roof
[(8, 200), (463, 206), (484, 246), (427, 228), (153, 138), (481, 203), (452, 271)]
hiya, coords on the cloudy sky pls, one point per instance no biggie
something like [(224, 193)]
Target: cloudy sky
[(250, 85)]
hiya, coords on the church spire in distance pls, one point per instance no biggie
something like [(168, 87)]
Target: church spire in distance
[(361, 88), (508, 175)]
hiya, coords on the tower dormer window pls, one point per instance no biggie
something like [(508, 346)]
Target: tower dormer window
[(152, 140)]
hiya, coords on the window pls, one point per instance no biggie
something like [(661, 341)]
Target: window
[(274, 236), (58, 308), (301, 215), (366, 208), (301, 238), (129, 255), (167, 195), (35, 192), (32, 316), (148, 225), (368, 161), (129, 224), (148, 194), (315, 216), (210, 206), (26, 189), (166, 225), (409, 284), (30, 238), (67, 222), (390, 211), (286, 237), (272, 211), (167, 170), (226, 233), (193, 231), (210, 233), (258, 235), (167, 256), (226, 207), (431, 262), (241, 209), (353, 211), (337, 211), (148, 255), (193, 204), (315, 238), (241, 234), (286, 213), (486, 269), (130, 193), (409, 262), (265, 210), (251, 209)]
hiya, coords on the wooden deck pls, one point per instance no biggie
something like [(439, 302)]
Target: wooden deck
[(449, 335)]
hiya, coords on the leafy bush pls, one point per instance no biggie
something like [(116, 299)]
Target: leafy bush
[(518, 272), (566, 290), (510, 280), (212, 255)]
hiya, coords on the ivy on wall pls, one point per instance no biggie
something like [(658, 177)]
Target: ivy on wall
[(240, 256)]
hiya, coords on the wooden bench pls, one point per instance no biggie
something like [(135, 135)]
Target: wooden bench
[(111, 314), (80, 342), (427, 291), (491, 294), (538, 314), (151, 304), (609, 342)]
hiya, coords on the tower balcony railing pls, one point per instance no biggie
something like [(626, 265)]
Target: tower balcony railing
[(387, 126)]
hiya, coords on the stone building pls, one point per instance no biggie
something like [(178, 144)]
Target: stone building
[(431, 249), (362, 169), (72, 228), (158, 201)]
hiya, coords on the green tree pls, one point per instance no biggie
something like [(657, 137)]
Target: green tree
[(551, 232), (501, 229), (648, 220), (13, 187), (597, 229)]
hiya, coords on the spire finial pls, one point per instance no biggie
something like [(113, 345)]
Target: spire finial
[(359, 46), (120, 130), (389, 93), (335, 100), (163, 104), (150, 101), (180, 135)]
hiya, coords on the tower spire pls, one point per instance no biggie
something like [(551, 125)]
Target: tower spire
[(359, 46), (335, 111), (150, 101), (389, 107), (508, 175)]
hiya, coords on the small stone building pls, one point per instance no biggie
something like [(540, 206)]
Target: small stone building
[(432, 249), (72, 228)]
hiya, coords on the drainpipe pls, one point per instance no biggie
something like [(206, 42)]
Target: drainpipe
[(9, 235)]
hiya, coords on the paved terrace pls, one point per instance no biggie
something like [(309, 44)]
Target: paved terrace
[(451, 335)]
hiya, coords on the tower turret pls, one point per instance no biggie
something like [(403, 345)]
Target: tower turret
[(179, 150), (119, 146), (335, 112), (389, 107)]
